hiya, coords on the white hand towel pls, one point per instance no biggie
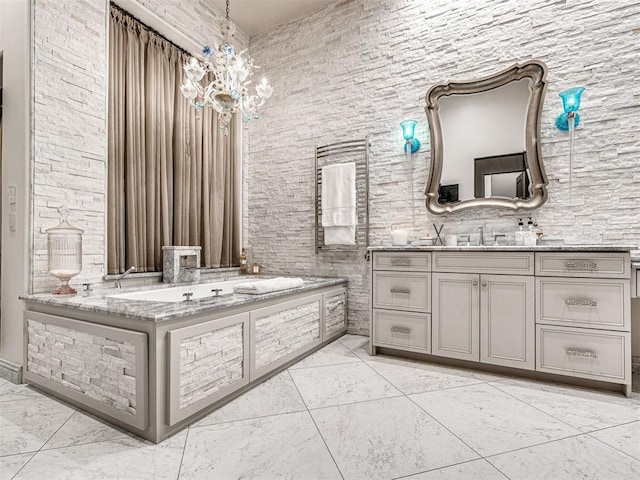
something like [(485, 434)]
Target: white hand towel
[(339, 217), (267, 286)]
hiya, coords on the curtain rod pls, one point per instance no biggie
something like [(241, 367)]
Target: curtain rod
[(147, 27)]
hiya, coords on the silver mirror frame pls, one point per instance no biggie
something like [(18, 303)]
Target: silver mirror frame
[(537, 72)]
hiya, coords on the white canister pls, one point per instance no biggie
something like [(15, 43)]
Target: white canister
[(451, 240), (399, 237)]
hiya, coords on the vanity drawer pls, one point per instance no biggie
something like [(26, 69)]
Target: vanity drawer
[(585, 353), (402, 261), (402, 290), (510, 263), (411, 331), (586, 264), (583, 302)]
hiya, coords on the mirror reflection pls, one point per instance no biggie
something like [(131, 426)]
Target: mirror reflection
[(484, 142)]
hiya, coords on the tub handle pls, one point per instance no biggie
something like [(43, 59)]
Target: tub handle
[(187, 296), (216, 291)]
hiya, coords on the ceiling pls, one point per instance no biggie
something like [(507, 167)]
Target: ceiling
[(258, 16)]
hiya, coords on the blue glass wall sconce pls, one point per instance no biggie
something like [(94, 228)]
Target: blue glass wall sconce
[(571, 104), (408, 130)]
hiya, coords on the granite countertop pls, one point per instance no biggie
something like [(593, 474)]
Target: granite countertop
[(509, 248), (100, 300)]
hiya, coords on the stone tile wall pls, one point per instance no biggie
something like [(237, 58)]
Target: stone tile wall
[(285, 331), (99, 367), (209, 362), (360, 67)]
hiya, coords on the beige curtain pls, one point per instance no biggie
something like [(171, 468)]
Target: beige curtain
[(173, 176)]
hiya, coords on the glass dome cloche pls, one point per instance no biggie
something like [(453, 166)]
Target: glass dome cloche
[(64, 251)]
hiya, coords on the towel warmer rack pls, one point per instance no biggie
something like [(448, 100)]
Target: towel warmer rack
[(356, 151)]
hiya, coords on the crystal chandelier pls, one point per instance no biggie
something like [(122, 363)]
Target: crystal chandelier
[(228, 88)]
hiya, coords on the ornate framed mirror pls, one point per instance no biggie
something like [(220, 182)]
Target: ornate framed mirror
[(485, 141)]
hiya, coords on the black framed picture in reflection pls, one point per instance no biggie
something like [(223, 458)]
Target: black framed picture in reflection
[(448, 193)]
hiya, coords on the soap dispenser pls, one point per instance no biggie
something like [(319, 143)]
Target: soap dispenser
[(520, 233), (530, 237)]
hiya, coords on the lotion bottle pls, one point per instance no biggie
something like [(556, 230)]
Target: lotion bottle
[(530, 237), (520, 233)]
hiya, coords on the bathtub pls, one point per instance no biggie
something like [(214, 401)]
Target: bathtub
[(176, 294)]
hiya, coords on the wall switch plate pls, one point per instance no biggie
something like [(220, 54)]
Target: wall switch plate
[(11, 196)]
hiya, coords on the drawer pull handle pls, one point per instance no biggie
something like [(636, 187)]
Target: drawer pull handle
[(581, 265), (576, 352), (403, 291), (405, 261), (401, 330), (580, 302)]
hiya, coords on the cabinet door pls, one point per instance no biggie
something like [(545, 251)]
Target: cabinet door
[(455, 318), (507, 325)]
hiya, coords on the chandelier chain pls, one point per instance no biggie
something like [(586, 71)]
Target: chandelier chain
[(227, 9)]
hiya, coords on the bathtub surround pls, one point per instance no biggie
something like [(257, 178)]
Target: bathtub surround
[(152, 367), (341, 82)]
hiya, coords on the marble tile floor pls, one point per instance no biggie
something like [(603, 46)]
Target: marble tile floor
[(341, 414)]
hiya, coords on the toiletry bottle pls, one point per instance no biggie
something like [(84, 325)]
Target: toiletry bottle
[(530, 237), (520, 233), (243, 261)]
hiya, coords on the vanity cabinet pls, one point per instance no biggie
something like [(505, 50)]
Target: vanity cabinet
[(557, 312), (484, 317)]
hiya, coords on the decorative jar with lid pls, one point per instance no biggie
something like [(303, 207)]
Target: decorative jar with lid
[(64, 249)]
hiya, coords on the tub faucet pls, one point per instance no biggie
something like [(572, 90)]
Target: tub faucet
[(117, 283)]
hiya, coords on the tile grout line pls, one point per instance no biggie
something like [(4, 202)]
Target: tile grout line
[(47, 441), (316, 425), (610, 446), (452, 465), (33, 454), (538, 409), (184, 449)]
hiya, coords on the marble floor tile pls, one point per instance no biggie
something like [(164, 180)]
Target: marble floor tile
[(333, 354), (416, 377), (489, 420), (580, 457), (126, 458), (28, 424), (83, 428), (476, 470), (275, 396), (10, 392), (387, 438), (624, 437), (340, 384), (586, 410), (12, 464), (353, 342), (283, 446)]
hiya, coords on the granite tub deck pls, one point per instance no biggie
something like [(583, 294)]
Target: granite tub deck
[(153, 368)]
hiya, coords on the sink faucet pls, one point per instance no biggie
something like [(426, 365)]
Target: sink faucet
[(117, 283)]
